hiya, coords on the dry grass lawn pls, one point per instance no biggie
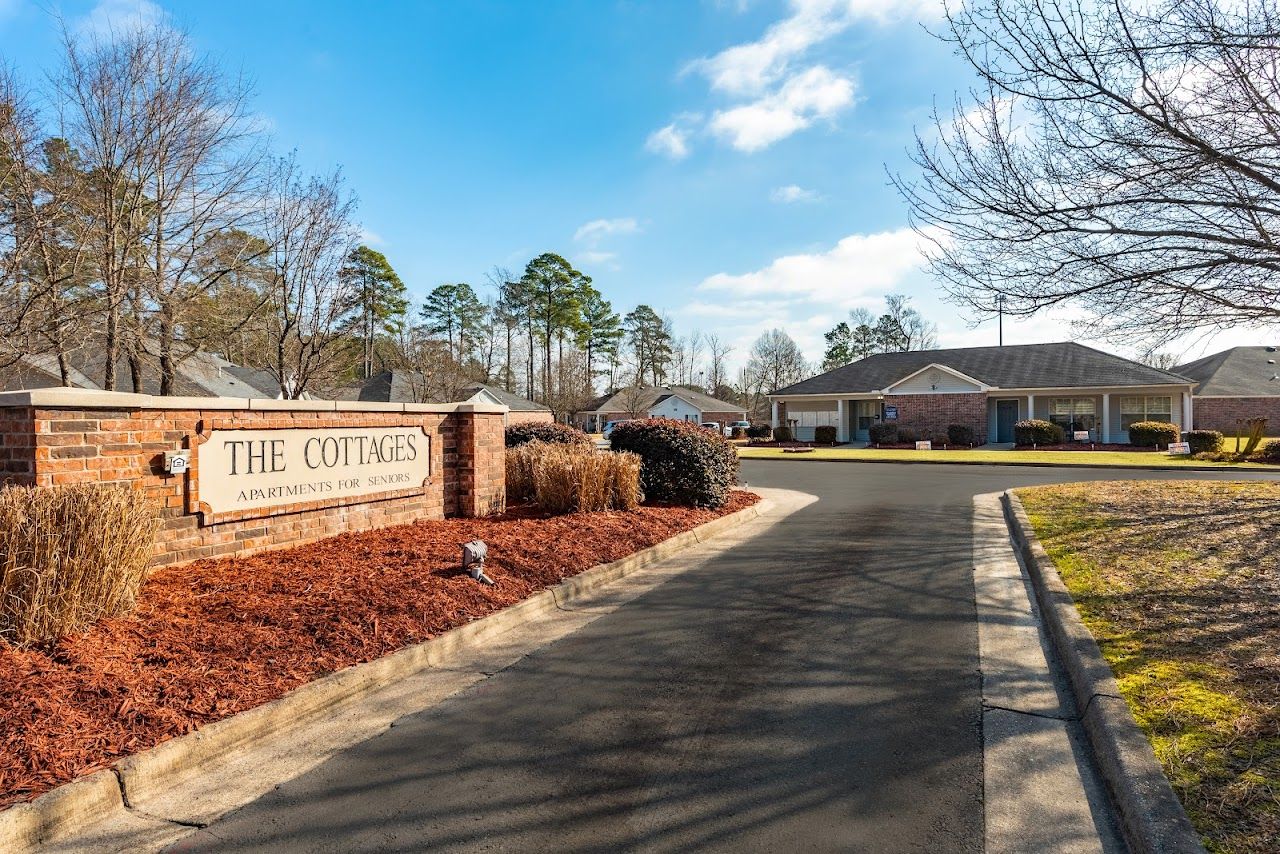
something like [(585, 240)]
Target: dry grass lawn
[(1180, 584)]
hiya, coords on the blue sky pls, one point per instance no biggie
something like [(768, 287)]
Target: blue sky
[(722, 160)]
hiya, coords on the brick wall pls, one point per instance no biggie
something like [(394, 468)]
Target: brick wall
[(1220, 413), (44, 443), (929, 415)]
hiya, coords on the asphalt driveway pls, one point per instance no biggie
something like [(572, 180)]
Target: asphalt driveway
[(815, 689)]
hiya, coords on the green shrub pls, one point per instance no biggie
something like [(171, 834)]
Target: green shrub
[(1270, 451), (680, 462), (881, 433), (759, 431), (960, 434), (907, 436), (1152, 434), (1204, 441), (536, 431), (70, 556), (782, 433), (1033, 431), (824, 435), (737, 432)]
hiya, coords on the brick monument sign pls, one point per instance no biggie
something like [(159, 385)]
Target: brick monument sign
[(235, 476)]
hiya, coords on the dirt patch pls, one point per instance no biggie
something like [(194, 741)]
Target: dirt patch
[(217, 637), (1180, 584)]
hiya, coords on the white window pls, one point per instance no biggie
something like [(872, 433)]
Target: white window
[(810, 418), (1073, 413), (1145, 408)]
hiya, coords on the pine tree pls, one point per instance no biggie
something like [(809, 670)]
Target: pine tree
[(381, 298)]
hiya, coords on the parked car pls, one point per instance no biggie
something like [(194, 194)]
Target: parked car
[(711, 425), (609, 425), (729, 428)]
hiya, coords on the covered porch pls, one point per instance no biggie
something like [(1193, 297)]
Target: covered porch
[(1101, 415), (851, 415)]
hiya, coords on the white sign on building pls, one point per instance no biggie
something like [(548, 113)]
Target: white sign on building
[(240, 470)]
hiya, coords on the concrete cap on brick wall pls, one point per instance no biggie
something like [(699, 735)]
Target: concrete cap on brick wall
[(82, 398)]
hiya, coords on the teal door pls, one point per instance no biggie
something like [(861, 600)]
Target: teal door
[(1006, 417)]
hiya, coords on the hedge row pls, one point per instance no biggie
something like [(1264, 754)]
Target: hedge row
[(555, 434)]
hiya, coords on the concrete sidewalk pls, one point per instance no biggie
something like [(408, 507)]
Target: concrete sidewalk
[(1041, 790)]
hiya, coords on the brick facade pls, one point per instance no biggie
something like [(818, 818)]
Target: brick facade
[(929, 415), (1220, 413), (43, 443)]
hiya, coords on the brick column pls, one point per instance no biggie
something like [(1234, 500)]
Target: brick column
[(480, 448)]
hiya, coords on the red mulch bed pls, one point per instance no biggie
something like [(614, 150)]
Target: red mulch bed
[(217, 637)]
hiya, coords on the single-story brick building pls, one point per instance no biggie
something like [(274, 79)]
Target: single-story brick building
[(987, 389), (1235, 385), (678, 402), (412, 387)]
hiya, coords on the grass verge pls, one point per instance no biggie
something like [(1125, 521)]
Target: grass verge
[(1140, 459), (1179, 582)]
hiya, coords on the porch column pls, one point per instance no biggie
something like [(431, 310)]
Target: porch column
[(842, 426), (1031, 406), (1106, 417), (775, 415), (1188, 409)]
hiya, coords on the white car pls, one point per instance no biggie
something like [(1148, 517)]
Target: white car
[(729, 428), (608, 427)]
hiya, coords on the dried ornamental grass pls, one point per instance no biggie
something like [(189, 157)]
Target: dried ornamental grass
[(70, 556), (570, 478)]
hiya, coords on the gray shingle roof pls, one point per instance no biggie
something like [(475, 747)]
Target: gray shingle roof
[(1060, 365), (1238, 372), (407, 386), (621, 402)]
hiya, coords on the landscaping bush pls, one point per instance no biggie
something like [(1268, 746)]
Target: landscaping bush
[(907, 436), (680, 462), (565, 478), (960, 434), (1204, 441), (759, 431), (737, 432), (782, 433), (1033, 431), (534, 431), (1270, 452), (883, 434), (1152, 434), (70, 556), (824, 435)]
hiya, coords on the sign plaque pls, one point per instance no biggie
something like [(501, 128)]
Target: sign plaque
[(926, 445), (243, 470), (1179, 448)]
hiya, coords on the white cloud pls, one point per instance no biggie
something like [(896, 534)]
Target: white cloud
[(775, 98), (669, 141), (594, 256), (858, 270), (793, 193), (116, 16), (598, 228), (369, 237)]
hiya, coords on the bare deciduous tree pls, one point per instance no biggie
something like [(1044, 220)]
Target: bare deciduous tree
[(307, 223), (1122, 158)]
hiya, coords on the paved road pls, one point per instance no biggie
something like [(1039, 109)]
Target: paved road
[(813, 690)]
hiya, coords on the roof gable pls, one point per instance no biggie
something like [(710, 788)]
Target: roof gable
[(1238, 372), (916, 380)]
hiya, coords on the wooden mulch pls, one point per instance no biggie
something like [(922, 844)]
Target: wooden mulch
[(217, 637)]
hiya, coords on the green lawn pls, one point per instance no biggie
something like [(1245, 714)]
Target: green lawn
[(1094, 458), (1179, 582)]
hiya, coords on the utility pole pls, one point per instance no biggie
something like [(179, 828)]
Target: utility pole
[(1000, 309)]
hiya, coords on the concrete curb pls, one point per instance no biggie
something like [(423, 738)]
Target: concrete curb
[(1105, 466), (1151, 816), (93, 798)]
